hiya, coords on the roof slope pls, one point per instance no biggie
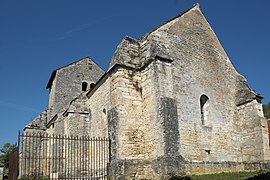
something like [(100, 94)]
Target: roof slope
[(128, 51), (54, 72), (136, 52)]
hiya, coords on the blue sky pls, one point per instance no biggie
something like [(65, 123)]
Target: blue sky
[(37, 37)]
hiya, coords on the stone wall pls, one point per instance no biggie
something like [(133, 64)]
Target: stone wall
[(253, 132), (142, 123), (268, 125), (76, 119), (171, 103), (38, 123), (189, 62), (99, 103), (132, 123), (200, 67), (67, 83)]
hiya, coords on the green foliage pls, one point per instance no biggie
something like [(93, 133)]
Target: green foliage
[(266, 110), (4, 152), (227, 176), (44, 178), (250, 175), (24, 177)]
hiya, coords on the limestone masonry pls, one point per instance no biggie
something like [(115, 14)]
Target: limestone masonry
[(171, 102)]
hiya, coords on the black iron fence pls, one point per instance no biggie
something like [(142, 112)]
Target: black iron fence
[(44, 156)]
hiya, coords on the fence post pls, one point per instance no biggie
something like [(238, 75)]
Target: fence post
[(14, 162), (64, 157)]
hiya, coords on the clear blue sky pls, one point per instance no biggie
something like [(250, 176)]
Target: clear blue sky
[(37, 37)]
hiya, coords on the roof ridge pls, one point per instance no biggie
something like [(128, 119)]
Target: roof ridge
[(177, 16), (81, 59)]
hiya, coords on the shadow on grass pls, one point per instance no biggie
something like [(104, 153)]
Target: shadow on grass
[(180, 178), (261, 176), (227, 176)]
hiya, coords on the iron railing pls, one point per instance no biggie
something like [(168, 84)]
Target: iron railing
[(44, 156)]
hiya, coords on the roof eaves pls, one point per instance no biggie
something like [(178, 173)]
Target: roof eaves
[(49, 84), (52, 120)]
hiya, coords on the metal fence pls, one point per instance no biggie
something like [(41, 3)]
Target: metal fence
[(13, 167), (46, 156)]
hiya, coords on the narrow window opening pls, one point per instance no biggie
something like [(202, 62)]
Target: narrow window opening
[(204, 103), (92, 85), (84, 86), (207, 151)]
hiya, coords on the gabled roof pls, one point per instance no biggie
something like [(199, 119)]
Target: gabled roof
[(38, 122), (197, 5), (120, 55), (54, 72)]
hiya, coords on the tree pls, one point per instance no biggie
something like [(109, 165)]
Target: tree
[(4, 152), (266, 110)]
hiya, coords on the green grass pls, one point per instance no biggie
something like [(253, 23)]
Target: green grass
[(230, 176)]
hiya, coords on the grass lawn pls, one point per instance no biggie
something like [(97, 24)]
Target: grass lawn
[(232, 175)]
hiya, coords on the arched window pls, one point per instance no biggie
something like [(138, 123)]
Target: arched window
[(92, 85), (204, 103), (84, 86)]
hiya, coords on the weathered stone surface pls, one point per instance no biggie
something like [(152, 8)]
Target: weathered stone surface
[(127, 53), (38, 123), (171, 128), (66, 83), (171, 103)]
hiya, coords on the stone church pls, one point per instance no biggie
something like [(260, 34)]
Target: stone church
[(171, 102)]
